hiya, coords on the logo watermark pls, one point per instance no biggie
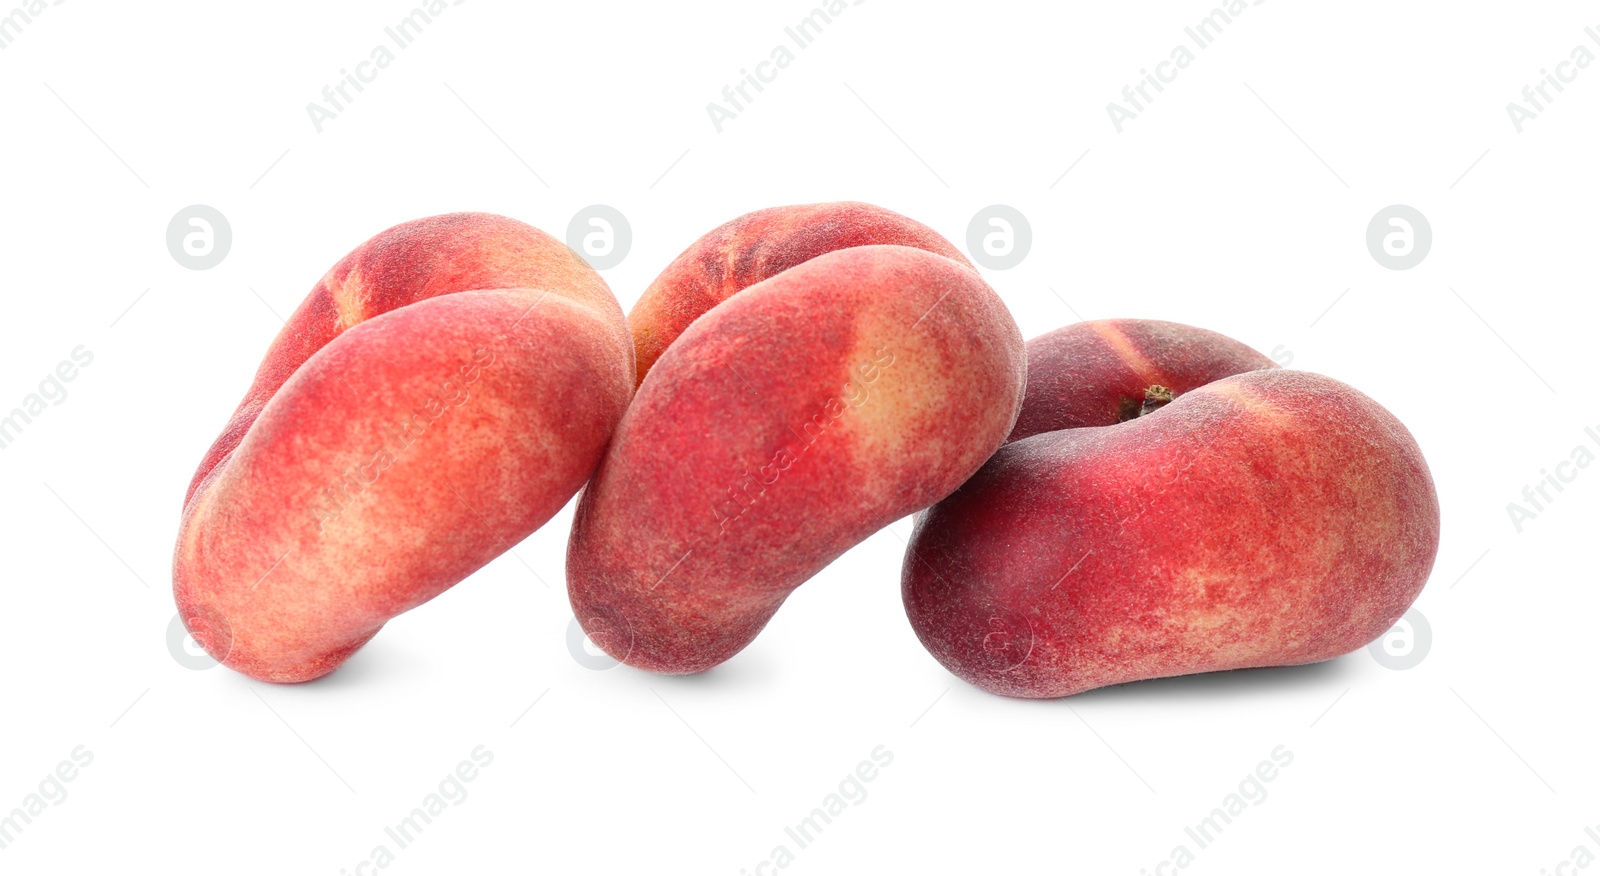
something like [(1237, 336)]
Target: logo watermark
[(192, 640), (199, 237), (999, 237), (600, 234), (1399, 237), (1007, 642), (1406, 643), (606, 627)]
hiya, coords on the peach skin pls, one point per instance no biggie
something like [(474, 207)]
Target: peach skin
[(1268, 518), (785, 424), (438, 396), (1097, 373), (752, 248)]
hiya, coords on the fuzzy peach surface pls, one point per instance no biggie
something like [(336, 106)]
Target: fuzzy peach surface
[(1172, 502), (1096, 373), (783, 426), (439, 395), (755, 247), (1269, 518)]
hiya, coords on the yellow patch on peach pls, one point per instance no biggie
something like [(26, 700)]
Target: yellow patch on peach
[(1252, 402), (347, 301), (1129, 353)]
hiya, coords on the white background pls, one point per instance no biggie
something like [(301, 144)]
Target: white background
[(1238, 201)]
